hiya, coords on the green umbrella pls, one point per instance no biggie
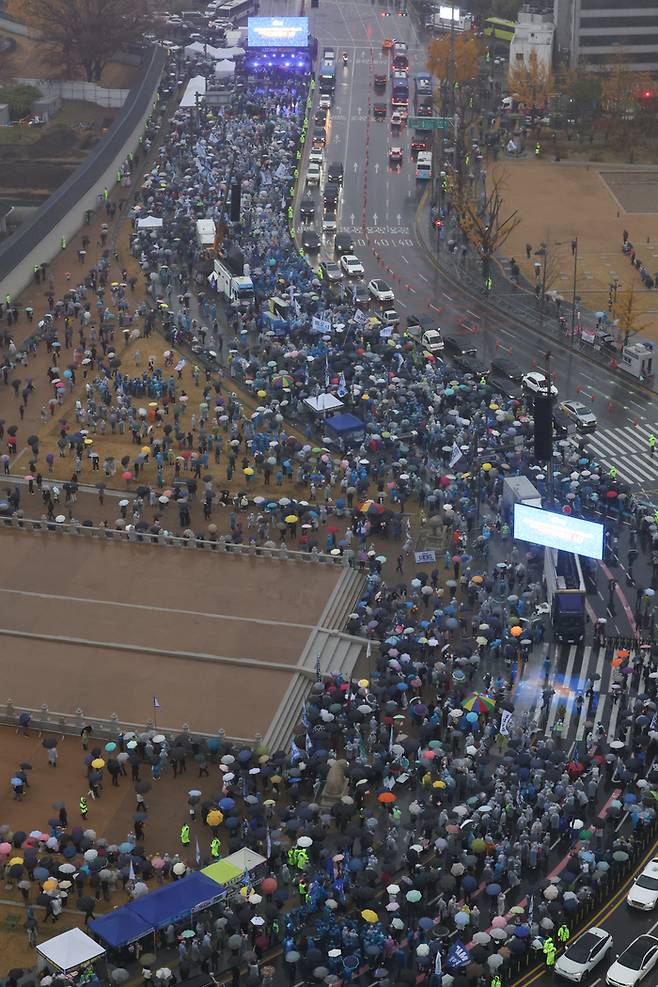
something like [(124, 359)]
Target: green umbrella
[(620, 856), (586, 834)]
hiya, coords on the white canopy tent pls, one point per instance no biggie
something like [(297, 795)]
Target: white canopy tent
[(323, 403), (70, 950), (149, 223), (208, 51), (195, 87), (224, 69), (245, 859)]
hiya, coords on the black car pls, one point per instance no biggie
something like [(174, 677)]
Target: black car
[(319, 138), (330, 197), (320, 118), (360, 295), (311, 241), (503, 367), (562, 424), (470, 363), (458, 344), (343, 244), (307, 208), (335, 172)]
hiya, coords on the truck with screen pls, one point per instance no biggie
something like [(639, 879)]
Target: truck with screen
[(565, 593)]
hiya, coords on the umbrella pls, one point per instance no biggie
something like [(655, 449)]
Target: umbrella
[(479, 703), (49, 743)]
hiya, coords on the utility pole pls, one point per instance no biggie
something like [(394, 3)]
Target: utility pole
[(549, 391), (574, 251)]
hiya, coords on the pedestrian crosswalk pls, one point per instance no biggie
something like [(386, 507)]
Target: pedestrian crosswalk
[(575, 669), (627, 449)]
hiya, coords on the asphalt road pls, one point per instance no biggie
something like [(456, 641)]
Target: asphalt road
[(380, 208)]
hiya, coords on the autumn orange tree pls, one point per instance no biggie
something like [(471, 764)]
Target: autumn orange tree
[(532, 81), (81, 36), (465, 65), (628, 314), (622, 95)]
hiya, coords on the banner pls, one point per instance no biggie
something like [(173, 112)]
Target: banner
[(321, 326), (455, 455), (360, 317), (505, 720), (427, 556)]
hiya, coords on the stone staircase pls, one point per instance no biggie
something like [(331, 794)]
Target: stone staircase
[(327, 646)]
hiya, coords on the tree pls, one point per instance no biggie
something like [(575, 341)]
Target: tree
[(486, 224), (627, 312), (582, 92), (623, 96), (82, 35), (466, 62), (19, 98), (532, 81)]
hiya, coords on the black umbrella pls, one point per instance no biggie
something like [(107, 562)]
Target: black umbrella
[(49, 743)]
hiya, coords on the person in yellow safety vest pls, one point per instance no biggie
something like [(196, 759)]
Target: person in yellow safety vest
[(62, 243), (563, 934), (319, 272), (215, 845), (550, 956), (302, 887), (537, 149), (84, 808), (548, 949), (496, 981), (613, 473), (185, 834), (652, 444)]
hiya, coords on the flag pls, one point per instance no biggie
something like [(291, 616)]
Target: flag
[(341, 390), (197, 851), (437, 963), (327, 375), (368, 648), (246, 882), (457, 955), (505, 720), (131, 872), (309, 744), (390, 740), (156, 704), (268, 843), (317, 668), (304, 716), (295, 753), (531, 909), (455, 455)]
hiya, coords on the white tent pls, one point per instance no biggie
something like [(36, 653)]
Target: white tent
[(323, 403), (209, 51), (195, 87), (149, 223), (70, 950), (224, 69), (245, 859)]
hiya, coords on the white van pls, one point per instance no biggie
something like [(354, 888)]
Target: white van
[(205, 233)]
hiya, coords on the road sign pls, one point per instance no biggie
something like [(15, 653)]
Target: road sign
[(429, 123)]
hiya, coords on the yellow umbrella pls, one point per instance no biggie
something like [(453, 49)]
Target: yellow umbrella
[(486, 467), (438, 784), (215, 817), (89, 442), (248, 471), (363, 683), (369, 915), (50, 884), (98, 763), (15, 860), (292, 519), (153, 404), (261, 394), (146, 450)]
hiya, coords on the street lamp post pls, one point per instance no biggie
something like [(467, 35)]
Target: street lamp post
[(574, 251)]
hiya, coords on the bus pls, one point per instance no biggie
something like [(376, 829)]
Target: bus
[(400, 90), (499, 29), (235, 10), (423, 94), (424, 165)]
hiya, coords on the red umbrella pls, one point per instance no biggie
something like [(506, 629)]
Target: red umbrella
[(127, 475)]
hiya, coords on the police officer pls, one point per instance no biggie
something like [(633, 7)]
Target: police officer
[(652, 444), (185, 834), (549, 950), (496, 981), (84, 808), (613, 473), (215, 844), (563, 934)]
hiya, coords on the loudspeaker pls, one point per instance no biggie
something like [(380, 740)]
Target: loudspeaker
[(235, 202), (543, 427)]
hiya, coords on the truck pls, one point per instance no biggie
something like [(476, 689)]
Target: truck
[(445, 17), (230, 280), (566, 595), (518, 490), (205, 233)]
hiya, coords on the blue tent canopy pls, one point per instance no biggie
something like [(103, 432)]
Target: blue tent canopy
[(345, 423), (174, 901), (120, 927)]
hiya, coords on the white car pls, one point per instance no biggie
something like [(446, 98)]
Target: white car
[(325, 101), (644, 890), (580, 414), (432, 341), (536, 384), (390, 317), (634, 963), (316, 156), (583, 954), (380, 290), (351, 264), (313, 174)]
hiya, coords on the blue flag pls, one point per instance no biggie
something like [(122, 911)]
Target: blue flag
[(457, 955)]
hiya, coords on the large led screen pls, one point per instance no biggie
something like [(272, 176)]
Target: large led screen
[(277, 32), (568, 534)]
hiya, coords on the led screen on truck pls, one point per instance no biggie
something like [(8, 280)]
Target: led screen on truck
[(567, 534), (277, 32)]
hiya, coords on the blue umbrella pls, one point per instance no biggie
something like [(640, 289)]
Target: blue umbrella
[(227, 804), (629, 798), (426, 923), (126, 847), (492, 889), (472, 717), (469, 883), (522, 931)]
